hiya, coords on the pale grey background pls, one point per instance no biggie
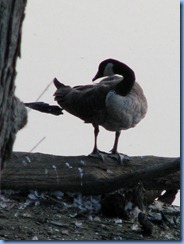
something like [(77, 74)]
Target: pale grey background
[(67, 39)]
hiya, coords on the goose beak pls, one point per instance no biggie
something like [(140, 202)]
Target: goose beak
[(96, 76)]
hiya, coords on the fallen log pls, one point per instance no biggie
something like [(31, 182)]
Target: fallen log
[(88, 175)]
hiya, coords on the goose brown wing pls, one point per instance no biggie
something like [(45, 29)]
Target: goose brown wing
[(85, 102)]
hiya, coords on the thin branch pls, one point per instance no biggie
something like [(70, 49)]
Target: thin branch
[(37, 144), (47, 87)]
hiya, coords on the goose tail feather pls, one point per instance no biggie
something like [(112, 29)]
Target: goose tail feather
[(58, 84)]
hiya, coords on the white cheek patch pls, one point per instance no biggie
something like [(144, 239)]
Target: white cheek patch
[(108, 71)]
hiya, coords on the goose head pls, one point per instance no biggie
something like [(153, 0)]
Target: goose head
[(110, 67)]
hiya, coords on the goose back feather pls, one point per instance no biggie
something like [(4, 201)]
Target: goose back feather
[(86, 102)]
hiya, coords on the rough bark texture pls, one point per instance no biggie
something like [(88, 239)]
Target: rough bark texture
[(13, 115), (89, 175)]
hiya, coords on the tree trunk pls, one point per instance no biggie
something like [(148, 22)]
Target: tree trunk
[(13, 115), (88, 175)]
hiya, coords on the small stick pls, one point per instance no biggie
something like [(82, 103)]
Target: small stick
[(37, 144)]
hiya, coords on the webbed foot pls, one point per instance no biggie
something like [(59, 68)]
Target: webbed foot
[(99, 154), (120, 157)]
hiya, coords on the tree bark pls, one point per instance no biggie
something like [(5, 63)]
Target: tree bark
[(25, 171), (13, 115)]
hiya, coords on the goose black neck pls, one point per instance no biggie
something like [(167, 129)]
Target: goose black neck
[(125, 86)]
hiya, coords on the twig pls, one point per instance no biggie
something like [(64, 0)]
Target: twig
[(47, 87), (37, 144)]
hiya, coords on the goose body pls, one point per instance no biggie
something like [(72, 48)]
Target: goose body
[(115, 103), (100, 105)]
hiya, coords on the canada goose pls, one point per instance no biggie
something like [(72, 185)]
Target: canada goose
[(116, 102)]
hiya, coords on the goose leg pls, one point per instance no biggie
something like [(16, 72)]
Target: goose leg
[(96, 131), (114, 153), (115, 147), (96, 152)]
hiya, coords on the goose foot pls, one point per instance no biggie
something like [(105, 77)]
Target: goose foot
[(120, 157), (98, 154)]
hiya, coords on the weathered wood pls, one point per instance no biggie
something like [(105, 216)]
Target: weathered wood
[(13, 115), (88, 175)]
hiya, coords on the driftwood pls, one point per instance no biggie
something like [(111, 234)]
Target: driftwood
[(25, 171)]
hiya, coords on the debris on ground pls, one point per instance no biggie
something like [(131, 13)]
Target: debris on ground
[(72, 216)]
